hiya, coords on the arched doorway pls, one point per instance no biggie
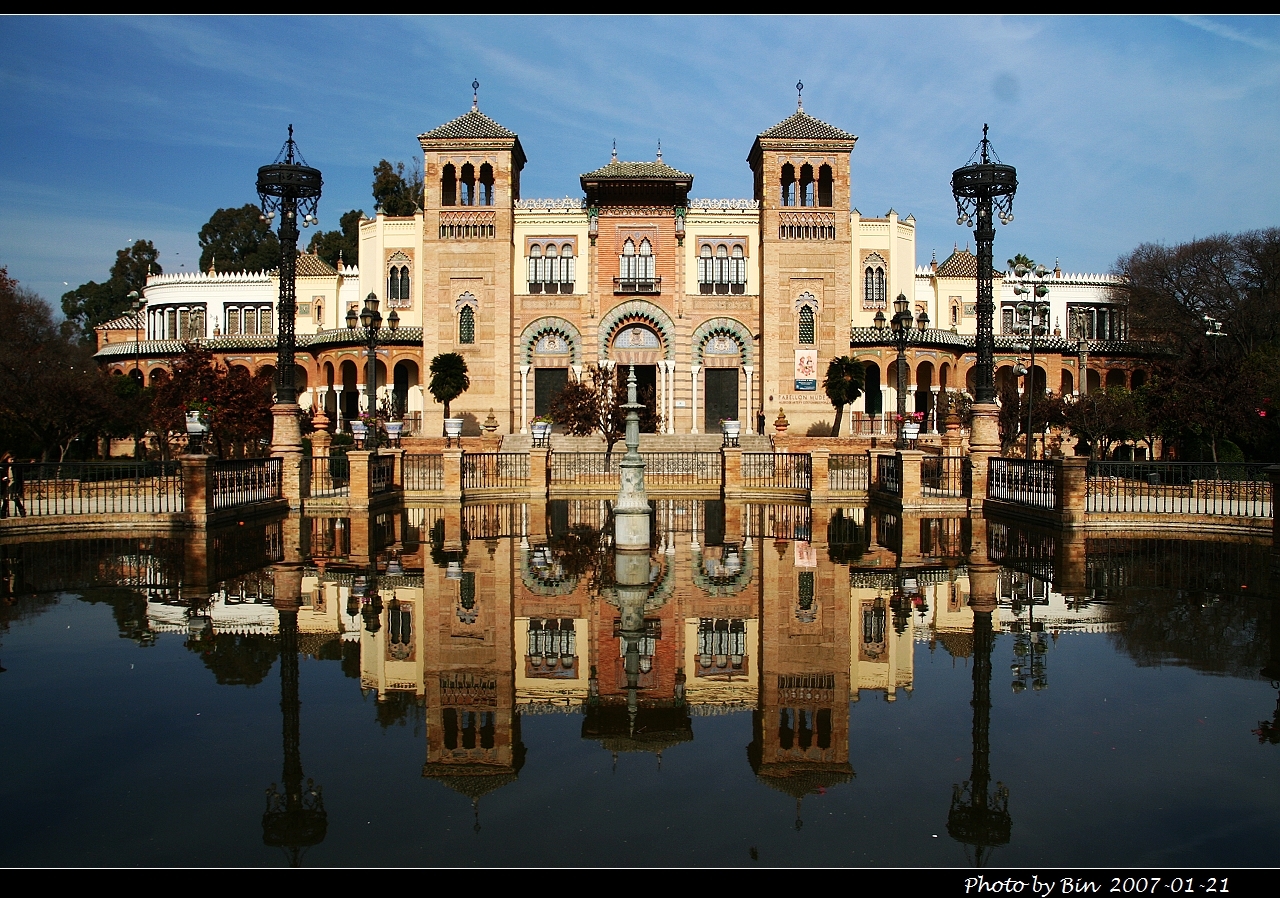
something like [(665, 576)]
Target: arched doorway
[(349, 394), (637, 346), (872, 400), (404, 376)]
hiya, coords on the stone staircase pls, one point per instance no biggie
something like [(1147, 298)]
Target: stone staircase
[(649, 442)]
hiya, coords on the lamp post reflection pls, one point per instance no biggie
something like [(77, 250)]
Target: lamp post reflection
[(295, 817)]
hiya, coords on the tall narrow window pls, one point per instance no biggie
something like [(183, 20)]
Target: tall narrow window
[(467, 325), (449, 186), (486, 185), (535, 274), (806, 325), (627, 262), (806, 185), (738, 279), (788, 185), (552, 257), (646, 261), (250, 321), (468, 184), (824, 186), (264, 320), (706, 270), (722, 269), (404, 283), (233, 322), (568, 268)]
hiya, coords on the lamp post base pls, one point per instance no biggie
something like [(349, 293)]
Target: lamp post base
[(286, 444), (984, 444)]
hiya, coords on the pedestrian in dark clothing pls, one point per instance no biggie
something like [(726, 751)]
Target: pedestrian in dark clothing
[(6, 471), (17, 487)]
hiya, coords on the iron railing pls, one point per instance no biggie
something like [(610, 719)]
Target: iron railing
[(849, 473), (1179, 488), (1033, 483), (780, 470), (243, 481), (660, 468), (889, 474), (494, 470), (326, 476), (944, 475), (147, 487), (382, 470), (423, 473)]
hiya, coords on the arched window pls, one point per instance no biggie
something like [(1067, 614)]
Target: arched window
[(873, 283), (738, 271), (552, 257), (628, 268), (706, 270), (318, 308), (486, 185), (449, 186), (398, 287), (788, 185), (468, 184), (568, 268), (536, 269), (722, 269), (806, 325), (646, 261), (806, 185), (467, 325), (824, 186)]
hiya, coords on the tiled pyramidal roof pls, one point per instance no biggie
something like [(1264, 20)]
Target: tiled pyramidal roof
[(647, 170), (802, 126), (473, 124)]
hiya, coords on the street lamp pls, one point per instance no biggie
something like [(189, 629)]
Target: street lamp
[(288, 186), (901, 324), (1033, 317), (981, 188), (136, 303), (371, 320)]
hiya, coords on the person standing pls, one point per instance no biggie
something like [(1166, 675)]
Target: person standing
[(17, 487), (6, 472)]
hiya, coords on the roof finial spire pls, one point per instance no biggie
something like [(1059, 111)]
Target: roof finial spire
[(986, 156), (614, 157), (659, 151), (799, 96), (475, 96)]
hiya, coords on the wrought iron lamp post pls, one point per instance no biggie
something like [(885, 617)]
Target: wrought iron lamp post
[(288, 187), (901, 326), (371, 320), (1033, 312), (984, 188)]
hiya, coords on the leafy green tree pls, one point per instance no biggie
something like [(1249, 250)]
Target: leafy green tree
[(93, 303), (449, 378), (237, 404), (51, 391), (843, 385), (595, 404), (1021, 259), (393, 191), (343, 243), (238, 240)]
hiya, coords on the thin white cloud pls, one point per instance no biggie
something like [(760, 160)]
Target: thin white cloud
[(1221, 29)]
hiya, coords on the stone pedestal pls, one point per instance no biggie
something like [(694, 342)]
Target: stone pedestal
[(452, 463), (731, 479), (538, 472), (820, 482), (984, 444), (1072, 490), (286, 445), (911, 476), (196, 494)]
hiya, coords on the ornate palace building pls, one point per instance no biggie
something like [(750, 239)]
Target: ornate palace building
[(728, 308)]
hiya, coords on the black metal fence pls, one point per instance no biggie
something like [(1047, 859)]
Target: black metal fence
[(382, 470), (944, 475), (494, 470), (149, 487), (661, 468), (423, 473), (242, 481), (780, 470), (1033, 483), (1207, 488), (326, 476), (849, 473), (889, 474)]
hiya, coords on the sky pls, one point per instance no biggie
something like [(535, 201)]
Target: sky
[(1123, 130)]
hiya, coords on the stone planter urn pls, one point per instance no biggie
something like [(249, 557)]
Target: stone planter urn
[(731, 429)]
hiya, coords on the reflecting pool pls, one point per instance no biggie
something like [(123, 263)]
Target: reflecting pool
[(772, 685)]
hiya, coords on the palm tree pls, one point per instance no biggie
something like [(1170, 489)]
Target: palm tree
[(449, 378), (1021, 259), (843, 385)]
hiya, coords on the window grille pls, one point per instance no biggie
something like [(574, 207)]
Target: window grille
[(467, 325), (806, 325)]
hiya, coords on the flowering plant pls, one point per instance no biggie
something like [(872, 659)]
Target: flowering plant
[(910, 418), (541, 419)]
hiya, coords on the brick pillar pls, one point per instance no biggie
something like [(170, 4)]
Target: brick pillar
[(1273, 473), (984, 444), (358, 463), (1071, 475), (197, 493), (731, 481), (537, 510), (911, 476), (820, 487), (452, 473), (539, 473)]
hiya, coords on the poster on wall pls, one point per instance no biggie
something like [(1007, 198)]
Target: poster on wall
[(806, 370)]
